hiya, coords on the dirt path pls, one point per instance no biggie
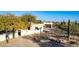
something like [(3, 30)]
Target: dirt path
[(19, 42)]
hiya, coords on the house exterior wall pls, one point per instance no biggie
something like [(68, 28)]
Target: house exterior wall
[(37, 25), (23, 32)]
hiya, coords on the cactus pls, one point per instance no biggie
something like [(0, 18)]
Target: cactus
[(7, 35), (13, 33), (69, 29), (75, 22)]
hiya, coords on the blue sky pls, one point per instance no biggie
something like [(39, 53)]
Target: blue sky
[(48, 15)]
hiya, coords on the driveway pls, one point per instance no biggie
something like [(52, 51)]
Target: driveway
[(19, 42)]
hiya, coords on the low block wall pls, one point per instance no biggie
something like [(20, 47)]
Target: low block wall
[(23, 33)]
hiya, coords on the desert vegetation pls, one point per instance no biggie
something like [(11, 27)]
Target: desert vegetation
[(11, 23), (63, 33)]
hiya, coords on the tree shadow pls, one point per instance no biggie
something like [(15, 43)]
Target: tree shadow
[(51, 43)]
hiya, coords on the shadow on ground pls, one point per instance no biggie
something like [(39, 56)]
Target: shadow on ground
[(50, 43)]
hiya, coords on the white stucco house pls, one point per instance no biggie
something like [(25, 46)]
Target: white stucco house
[(35, 28)]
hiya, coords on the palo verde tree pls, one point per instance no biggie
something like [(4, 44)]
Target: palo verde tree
[(11, 23)]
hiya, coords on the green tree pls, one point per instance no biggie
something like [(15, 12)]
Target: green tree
[(10, 22)]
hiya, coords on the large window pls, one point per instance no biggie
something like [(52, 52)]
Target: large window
[(48, 25)]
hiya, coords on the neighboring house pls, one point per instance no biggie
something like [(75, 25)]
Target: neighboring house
[(48, 24)]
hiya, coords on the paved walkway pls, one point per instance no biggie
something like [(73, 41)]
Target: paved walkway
[(19, 42)]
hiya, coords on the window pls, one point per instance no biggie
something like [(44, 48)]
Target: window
[(28, 28), (36, 28)]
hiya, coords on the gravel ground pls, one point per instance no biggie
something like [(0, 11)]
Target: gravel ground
[(50, 39)]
